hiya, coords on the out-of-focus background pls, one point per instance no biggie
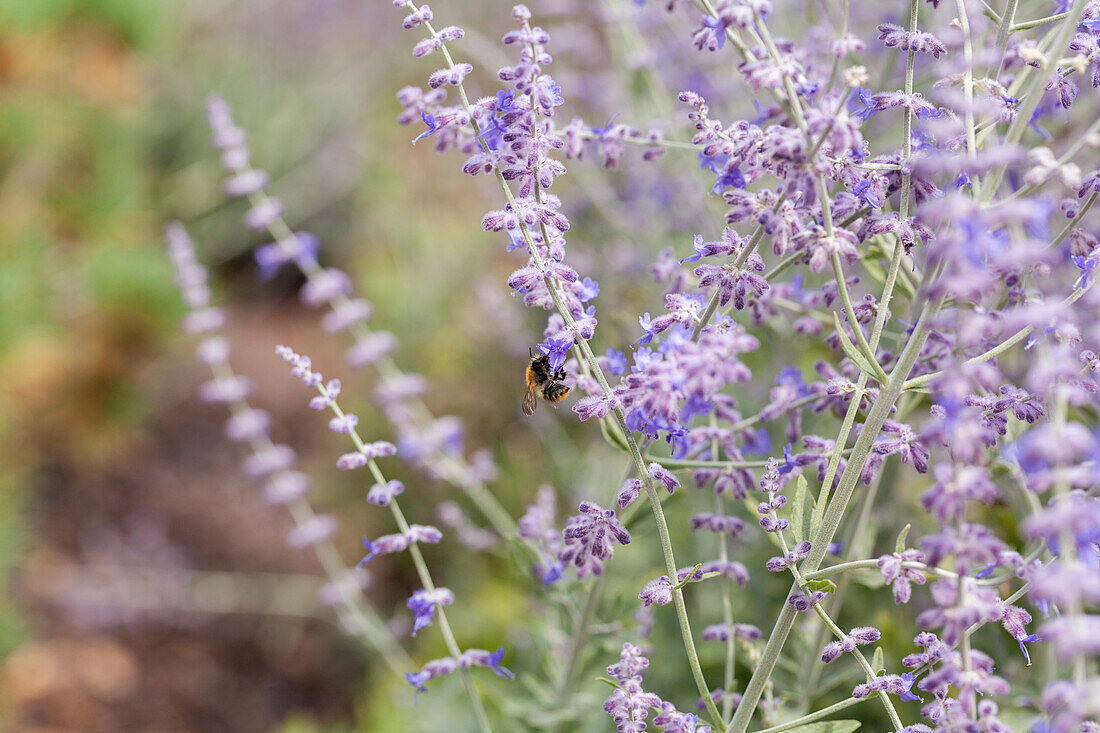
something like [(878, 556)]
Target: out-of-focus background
[(147, 585)]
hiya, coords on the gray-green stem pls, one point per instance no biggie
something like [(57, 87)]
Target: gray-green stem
[(880, 410)]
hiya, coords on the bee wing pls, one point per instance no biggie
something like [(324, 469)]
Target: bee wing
[(530, 402)]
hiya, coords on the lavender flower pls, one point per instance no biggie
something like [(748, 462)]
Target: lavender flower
[(590, 537), (901, 578), (657, 591), (423, 604), (855, 637)]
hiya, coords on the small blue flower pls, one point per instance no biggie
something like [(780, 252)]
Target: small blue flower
[(719, 27), (694, 406), (423, 608), (516, 240), (418, 680), (558, 100), (557, 350), (429, 120), (731, 177), (923, 142), (371, 552), (910, 326), (271, 257), (616, 362), (859, 104), (493, 134), (602, 131), (907, 696), (494, 664), (589, 290), (796, 286), (762, 114), (1027, 640), (792, 376), (506, 101), (760, 444), (865, 192), (646, 322), (788, 460), (1087, 266), (700, 250), (712, 163), (550, 572)]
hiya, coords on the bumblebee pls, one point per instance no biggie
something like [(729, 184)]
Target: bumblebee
[(543, 382)]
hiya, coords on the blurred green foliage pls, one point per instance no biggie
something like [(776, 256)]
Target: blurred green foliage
[(76, 220)]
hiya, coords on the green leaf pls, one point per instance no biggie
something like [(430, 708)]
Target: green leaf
[(875, 269), (607, 681), (818, 513), (899, 546), (688, 578), (538, 689), (828, 726), (878, 661), (852, 351), (822, 584), (799, 508)]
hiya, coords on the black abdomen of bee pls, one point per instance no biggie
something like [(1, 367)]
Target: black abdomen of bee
[(555, 392)]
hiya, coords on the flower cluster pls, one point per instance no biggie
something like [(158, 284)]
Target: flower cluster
[(629, 705), (589, 539)]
